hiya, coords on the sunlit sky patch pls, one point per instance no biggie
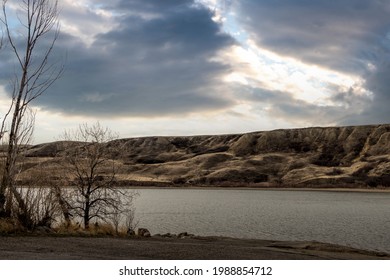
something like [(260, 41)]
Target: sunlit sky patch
[(215, 66)]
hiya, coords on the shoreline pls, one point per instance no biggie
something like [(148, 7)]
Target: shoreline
[(322, 189), (45, 247)]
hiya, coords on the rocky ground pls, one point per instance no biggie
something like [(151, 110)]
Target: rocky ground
[(154, 248), (354, 156)]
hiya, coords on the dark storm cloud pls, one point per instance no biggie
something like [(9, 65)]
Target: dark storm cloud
[(154, 58), (153, 6), (377, 110), (145, 66), (178, 35), (342, 35)]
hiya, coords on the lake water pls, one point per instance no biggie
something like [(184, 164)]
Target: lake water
[(360, 220)]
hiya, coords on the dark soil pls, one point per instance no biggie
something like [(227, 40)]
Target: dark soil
[(108, 248)]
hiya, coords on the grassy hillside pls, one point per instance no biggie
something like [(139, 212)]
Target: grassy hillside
[(326, 157)]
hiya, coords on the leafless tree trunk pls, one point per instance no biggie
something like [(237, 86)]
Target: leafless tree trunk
[(35, 76), (94, 195), (64, 207)]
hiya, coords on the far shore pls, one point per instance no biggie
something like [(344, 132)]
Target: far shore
[(322, 189), (164, 185)]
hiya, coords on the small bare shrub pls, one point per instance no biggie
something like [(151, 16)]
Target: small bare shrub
[(123, 218), (335, 171), (9, 226), (41, 207)]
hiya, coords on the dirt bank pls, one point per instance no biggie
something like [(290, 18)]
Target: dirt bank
[(106, 248)]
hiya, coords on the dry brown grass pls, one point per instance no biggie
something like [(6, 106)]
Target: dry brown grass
[(331, 156), (10, 226), (96, 229)]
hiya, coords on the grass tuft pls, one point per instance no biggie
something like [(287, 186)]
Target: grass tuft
[(10, 226)]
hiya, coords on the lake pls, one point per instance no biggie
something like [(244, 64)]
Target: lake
[(356, 219)]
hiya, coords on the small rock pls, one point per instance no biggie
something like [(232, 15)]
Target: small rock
[(143, 232), (187, 237), (182, 235)]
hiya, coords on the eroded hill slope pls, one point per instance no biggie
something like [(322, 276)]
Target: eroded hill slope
[(331, 156)]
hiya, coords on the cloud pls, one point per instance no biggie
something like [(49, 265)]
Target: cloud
[(281, 106), (141, 66), (341, 35), (376, 111), (350, 38), (85, 20), (285, 63), (295, 92)]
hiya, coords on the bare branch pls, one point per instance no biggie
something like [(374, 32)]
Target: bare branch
[(94, 195), (34, 77)]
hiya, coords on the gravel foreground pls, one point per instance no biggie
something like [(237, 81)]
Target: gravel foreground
[(155, 248)]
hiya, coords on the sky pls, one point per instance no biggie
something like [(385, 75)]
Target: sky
[(190, 67)]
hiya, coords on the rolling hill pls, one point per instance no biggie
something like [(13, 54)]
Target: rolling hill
[(350, 156)]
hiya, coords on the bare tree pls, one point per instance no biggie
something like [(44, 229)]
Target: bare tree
[(39, 19), (94, 195)]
